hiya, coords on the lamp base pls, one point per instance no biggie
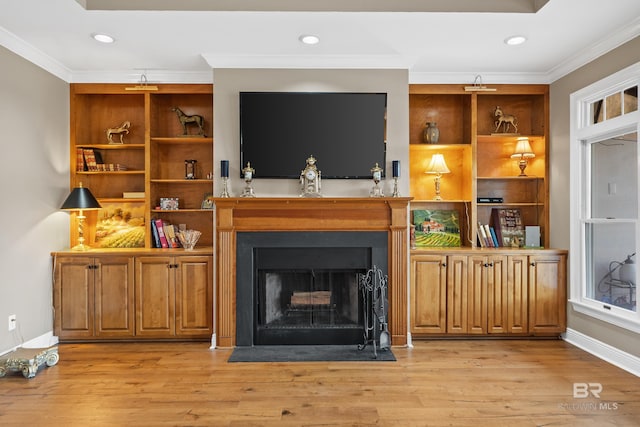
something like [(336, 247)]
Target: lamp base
[(81, 247)]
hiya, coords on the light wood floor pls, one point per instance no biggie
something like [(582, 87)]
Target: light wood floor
[(437, 383)]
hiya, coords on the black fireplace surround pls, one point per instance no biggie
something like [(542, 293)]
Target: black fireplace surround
[(302, 287)]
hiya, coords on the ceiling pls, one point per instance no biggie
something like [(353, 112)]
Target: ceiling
[(438, 41)]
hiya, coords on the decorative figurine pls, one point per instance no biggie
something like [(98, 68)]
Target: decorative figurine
[(248, 173), (310, 179), (376, 191), (118, 130), (189, 120), (504, 120), (190, 169)]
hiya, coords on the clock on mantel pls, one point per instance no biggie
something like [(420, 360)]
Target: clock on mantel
[(310, 179)]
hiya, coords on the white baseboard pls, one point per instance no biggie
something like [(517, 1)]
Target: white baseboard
[(617, 357), (43, 341)]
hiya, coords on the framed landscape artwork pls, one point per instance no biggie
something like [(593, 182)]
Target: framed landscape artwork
[(436, 228)]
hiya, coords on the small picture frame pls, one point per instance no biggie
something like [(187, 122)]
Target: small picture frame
[(169, 203), (207, 201)]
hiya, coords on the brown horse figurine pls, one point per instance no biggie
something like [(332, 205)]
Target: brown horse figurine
[(186, 120)]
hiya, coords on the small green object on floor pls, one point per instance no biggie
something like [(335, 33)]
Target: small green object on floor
[(28, 360)]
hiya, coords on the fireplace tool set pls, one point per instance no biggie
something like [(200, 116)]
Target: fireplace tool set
[(373, 286)]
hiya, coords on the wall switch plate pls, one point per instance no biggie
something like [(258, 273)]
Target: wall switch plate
[(12, 322)]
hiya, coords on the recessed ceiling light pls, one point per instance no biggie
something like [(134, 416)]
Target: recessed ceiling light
[(309, 39), (515, 40), (103, 38)]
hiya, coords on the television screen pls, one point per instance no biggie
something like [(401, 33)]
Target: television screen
[(345, 132)]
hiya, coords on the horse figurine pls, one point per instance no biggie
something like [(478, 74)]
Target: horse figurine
[(120, 130), (186, 120), (504, 120)]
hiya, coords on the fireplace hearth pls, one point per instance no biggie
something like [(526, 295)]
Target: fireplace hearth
[(302, 287)]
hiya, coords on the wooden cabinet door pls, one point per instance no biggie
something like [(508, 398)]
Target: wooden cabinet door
[(155, 296), (114, 297), (428, 301), (478, 270), (73, 297), (547, 294), (457, 294), (497, 294), (194, 295), (517, 294)]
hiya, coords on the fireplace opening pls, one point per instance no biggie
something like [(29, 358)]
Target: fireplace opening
[(291, 293)]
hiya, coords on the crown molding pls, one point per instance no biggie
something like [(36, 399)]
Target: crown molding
[(152, 76), (31, 54)]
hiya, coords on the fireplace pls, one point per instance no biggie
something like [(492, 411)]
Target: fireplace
[(302, 287)]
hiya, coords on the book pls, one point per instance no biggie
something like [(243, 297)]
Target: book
[(487, 232), (494, 237), (154, 233), (508, 226), (170, 234), (163, 238), (90, 159), (436, 228), (133, 195), (80, 164)]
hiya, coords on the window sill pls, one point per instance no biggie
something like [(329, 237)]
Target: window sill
[(606, 316)]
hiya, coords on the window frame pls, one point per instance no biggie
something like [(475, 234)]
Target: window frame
[(583, 133)]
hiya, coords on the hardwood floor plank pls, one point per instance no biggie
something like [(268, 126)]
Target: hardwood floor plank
[(436, 383)]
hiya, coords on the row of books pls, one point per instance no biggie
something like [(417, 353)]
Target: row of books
[(88, 159), (165, 234), (505, 229)]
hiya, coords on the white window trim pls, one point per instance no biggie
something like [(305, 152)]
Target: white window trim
[(582, 130)]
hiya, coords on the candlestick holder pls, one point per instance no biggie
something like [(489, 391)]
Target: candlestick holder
[(225, 187), (395, 188), (247, 173)]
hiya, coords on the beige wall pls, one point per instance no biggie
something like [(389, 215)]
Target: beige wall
[(34, 178), (229, 82), (608, 64)]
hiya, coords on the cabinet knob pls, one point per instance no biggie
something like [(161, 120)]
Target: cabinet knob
[(486, 264), (533, 264), (444, 264)]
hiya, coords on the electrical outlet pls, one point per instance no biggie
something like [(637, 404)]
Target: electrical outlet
[(12, 322)]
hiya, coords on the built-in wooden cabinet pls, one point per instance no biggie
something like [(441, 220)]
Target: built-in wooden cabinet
[(151, 159), (93, 297), (474, 292), (479, 155), (122, 294), (491, 291), (174, 296)]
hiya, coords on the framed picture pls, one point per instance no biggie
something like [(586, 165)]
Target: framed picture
[(207, 201), (169, 203), (436, 228), (120, 225)]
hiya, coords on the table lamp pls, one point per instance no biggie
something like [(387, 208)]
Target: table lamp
[(523, 152), (437, 166), (80, 199)]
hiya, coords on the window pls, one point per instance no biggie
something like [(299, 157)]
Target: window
[(605, 180)]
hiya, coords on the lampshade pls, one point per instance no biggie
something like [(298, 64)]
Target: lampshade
[(523, 149), (80, 198), (437, 165)]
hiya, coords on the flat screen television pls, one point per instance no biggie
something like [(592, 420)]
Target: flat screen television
[(345, 132)]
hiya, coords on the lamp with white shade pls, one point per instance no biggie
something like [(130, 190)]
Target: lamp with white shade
[(523, 152), (438, 167)]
